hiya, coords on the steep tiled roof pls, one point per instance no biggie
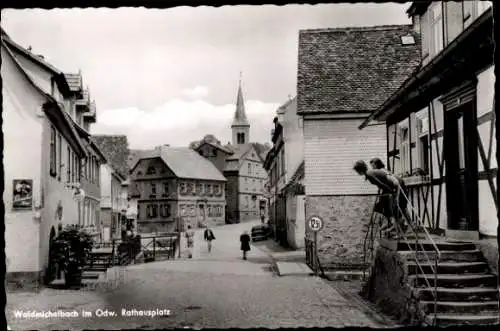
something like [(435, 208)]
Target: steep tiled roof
[(353, 69), (74, 82), (240, 117), (238, 151), (185, 163), (115, 148)]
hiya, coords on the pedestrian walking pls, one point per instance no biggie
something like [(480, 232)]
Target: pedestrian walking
[(209, 236), (190, 240), (245, 244)]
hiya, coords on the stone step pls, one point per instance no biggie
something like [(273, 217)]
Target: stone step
[(459, 294), (454, 281), (447, 267), (443, 320), (427, 245), (459, 307), (90, 275), (474, 255)]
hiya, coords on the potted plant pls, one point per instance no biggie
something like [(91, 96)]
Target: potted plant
[(72, 248)]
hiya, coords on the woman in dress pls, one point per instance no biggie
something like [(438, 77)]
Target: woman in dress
[(245, 244)]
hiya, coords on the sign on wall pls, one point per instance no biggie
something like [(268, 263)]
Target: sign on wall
[(315, 223), (23, 194)]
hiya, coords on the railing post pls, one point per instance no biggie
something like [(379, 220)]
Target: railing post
[(435, 288), (154, 248)]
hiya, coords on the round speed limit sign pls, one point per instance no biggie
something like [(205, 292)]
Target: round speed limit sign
[(315, 223)]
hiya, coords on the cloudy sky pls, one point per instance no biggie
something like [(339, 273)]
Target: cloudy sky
[(170, 76)]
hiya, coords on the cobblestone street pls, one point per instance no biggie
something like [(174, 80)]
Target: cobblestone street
[(216, 289)]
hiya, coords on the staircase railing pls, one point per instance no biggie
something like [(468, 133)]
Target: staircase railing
[(437, 253), (437, 256)]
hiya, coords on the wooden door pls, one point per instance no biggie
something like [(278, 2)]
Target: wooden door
[(461, 167)]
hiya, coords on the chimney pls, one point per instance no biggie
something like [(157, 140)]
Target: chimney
[(415, 20), (41, 56)]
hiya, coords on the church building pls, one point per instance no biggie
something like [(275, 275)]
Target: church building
[(241, 162)]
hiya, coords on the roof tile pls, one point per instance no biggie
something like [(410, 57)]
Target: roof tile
[(184, 162), (353, 69)]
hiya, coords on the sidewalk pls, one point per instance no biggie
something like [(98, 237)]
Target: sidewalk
[(288, 262)]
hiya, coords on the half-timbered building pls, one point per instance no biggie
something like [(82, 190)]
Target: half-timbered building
[(440, 122)]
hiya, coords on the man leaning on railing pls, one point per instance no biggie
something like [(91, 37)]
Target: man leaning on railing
[(392, 198)]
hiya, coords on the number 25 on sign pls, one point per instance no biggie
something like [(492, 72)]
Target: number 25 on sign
[(315, 223)]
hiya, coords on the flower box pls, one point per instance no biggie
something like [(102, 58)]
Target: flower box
[(417, 180)]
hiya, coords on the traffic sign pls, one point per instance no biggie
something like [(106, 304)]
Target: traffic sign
[(315, 223)]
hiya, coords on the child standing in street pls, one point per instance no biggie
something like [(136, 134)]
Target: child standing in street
[(190, 240)]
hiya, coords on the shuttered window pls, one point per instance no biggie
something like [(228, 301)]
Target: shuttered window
[(53, 152)]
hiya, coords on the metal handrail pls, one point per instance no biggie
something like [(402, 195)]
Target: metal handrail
[(434, 245), (433, 266)]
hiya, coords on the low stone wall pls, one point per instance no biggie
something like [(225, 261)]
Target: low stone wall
[(23, 281), (388, 288), (489, 248), (153, 227), (346, 220)]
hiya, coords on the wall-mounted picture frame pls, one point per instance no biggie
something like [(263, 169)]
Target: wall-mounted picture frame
[(22, 195)]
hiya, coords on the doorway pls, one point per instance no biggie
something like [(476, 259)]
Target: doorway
[(460, 154)]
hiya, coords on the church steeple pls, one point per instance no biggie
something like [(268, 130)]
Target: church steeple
[(240, 126)]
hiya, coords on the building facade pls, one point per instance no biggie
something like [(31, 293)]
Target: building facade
[(241, 162), (42, 183), (176, 184), (343, 74), (285, 166), (112, 203), (441, 139)]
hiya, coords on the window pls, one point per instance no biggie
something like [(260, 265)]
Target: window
[(404, 147), (209, 189), (282, 162), (200, 152), (423, 147), (98, 172), (183, 210), (151, 171), (59, 156), (240, 137), (249, 168), (192, 211), (246, 201), (254, 187), (218, 189), (68, 164), (210, 211), (153, 189), (152, 211), (53, 156), (164, 210), (436, 10), (192, 188), (165, 189), (182, 187), (73, 167), (214, 152), (199, 189)]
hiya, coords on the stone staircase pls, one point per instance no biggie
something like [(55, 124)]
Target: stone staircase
[(467, 290)]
